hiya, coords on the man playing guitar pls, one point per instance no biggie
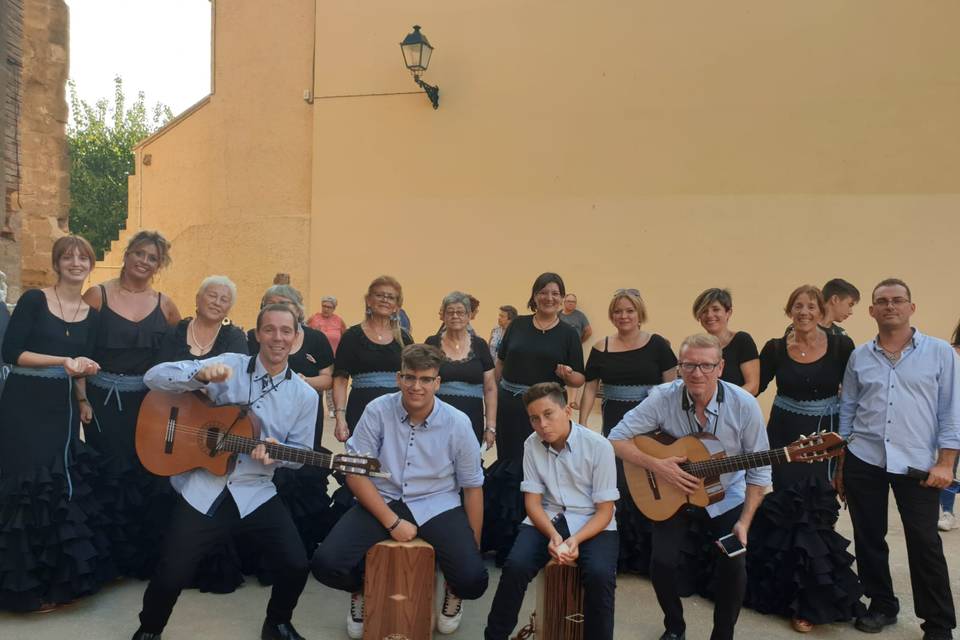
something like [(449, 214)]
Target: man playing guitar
[(245, 500), (700, 402)]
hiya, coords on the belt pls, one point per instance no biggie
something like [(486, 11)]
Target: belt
[(512, 387), (626, 392), (816, 408), (374, 380), (462, 389), (117, 383)]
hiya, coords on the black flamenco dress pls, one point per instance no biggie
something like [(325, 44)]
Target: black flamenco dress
[(137, 502), (219, 570), (798, 565), (54, 546), (461, 381), (530, 356), (627, 377)]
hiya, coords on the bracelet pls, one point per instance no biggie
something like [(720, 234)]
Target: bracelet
[(489, 430), (340, 411), (83, 399), (394, 525)]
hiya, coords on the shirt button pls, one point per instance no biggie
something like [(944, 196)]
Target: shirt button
[(404, 484), (408, 464), (411, 444)]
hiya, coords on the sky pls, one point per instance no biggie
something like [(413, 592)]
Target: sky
[(160, 47)]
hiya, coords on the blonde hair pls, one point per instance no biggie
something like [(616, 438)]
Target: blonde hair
[(701, 341), (634, 299), (141, 238), (390, 281)]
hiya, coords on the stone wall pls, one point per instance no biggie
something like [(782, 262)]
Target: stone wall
[(37, 199)]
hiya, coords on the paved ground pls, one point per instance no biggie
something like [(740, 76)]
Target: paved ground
[(111, 614)]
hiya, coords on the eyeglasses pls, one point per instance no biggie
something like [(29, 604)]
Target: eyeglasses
[(705, 367), (885, 302), (386, 297), (410, 380), (632, 292), (455, 313)]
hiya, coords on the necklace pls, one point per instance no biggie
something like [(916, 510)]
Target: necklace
[(457, 346), (544, 329), (376, 331), (193, 335), (63, 317), (129, 290)]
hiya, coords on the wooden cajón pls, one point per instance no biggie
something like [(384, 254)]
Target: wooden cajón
[(398, 591), (559, 603)]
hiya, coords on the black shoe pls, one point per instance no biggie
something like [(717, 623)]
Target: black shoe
[(937, 635), (143, 635), (874, 622), (279, 631), (670, 635)]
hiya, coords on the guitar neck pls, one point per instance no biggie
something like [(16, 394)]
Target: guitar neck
[(712, 468), (240, 444)]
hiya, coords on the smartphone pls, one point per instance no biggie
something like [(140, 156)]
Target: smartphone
[(730, 544)]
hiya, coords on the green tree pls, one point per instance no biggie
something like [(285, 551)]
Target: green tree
[(100, 138)]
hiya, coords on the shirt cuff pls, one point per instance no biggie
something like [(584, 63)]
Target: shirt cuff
[(605, 495), (529, 486)]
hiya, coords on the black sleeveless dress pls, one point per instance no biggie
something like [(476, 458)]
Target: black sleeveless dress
[(740, 349), (136, 501), (469, 370), (798, 565), (53, 533), (643, 366)]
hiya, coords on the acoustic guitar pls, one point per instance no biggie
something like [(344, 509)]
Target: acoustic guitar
[(177, 432), (706, 459)]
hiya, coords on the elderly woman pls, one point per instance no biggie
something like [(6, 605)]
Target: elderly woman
[(209, 333), (712, 309), (53, 535), (133, 320), (798, 565), (535, 348), (629, 363), (331, 325), (369, 355), (466, 376)]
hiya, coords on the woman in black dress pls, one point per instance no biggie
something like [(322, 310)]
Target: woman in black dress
[(303, 490), (466, 377), (133, 321), (798, 565), (712, 309), (628, 363), (369, 355), (535, 348), (53, 534)]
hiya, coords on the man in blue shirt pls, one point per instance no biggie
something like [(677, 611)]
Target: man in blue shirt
[(700, 402), (431, 453), (244, 501), (901, 402), (569, 488)]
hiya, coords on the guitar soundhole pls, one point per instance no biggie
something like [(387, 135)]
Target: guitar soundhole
[(210, 437)]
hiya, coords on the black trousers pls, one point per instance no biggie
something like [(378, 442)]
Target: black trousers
[(665, 561), (192, 534), (338, 561), (598, 567), (868, 488)]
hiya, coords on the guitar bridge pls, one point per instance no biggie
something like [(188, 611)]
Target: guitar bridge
[(654, 487), (171, 430)]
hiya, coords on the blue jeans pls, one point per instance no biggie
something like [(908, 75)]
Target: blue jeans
[(598, 571)]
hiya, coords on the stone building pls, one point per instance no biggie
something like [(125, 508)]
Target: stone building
[(34, 167)]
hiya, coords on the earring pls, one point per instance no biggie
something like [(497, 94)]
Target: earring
[(395, 317), (369, 311)]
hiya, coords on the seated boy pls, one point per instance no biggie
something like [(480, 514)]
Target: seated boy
[(569, 485), (430, 451)]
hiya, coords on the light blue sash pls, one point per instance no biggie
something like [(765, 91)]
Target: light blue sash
[(512, 387), (117, 383), (462, 389), (374, 380), (56, 373), (815, 408), (626, 392)]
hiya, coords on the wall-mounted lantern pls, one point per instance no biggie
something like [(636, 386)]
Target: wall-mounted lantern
[(416, 55)]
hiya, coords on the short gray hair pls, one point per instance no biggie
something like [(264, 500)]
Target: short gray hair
[(219, 281), (288, 292), (331, 299), (701, 341), (456, 297)]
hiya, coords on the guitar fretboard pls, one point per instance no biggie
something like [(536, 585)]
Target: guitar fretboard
[(240, 444), (711, 468)]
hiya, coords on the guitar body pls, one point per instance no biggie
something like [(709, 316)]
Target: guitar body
[(166, 451), (660, 500)]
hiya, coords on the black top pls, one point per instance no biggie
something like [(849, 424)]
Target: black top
[(356, 353), (805, 381), (637, 366), (740, 349), (471, 368), (530, 355), (34, 328), (128, 347), (314, 355), (174, 347)]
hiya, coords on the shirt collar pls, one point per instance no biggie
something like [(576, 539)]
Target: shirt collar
[(260, 372), (713, 407), (915, 340), (404, 417)]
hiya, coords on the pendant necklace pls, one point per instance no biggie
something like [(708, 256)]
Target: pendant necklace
[(63, 317), (203, 348), (544, 329)]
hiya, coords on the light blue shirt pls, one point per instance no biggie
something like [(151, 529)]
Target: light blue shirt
[(902, 414), (736, 422), (572, 480), (428, 463), (288, 413)]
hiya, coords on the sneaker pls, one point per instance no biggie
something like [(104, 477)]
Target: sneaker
[(450, 613), (355, 619), (947, 522)]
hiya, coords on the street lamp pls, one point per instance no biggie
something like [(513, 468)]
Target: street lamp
[(416, 55)]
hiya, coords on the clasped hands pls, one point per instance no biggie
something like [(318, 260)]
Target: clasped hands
[(563, 551)]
